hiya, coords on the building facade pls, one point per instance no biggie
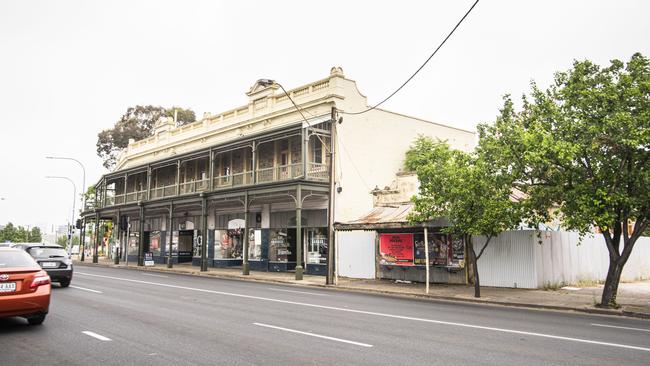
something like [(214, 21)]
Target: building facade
[(253, 186)]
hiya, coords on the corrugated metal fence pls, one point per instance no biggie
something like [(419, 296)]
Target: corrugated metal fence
[(508, 261), (525, 259)]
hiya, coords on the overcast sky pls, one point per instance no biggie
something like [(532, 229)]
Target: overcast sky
[(69, 69)]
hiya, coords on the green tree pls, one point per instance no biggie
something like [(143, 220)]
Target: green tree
[(8, 233), (63, 240), (465, 189), (20, 234), (581, 151), (137, 123), (35, 235)]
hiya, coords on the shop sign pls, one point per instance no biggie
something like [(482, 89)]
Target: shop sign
[(439, 249), (148, 259), (396, 249)]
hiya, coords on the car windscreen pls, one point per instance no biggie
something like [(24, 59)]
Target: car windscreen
[(16, 259), (40, 253)]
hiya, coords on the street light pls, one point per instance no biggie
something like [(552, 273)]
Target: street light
[(83, 183), (82, 243), (330, 250), (74, 200)]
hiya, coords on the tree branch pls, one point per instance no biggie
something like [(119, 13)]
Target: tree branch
[(480, 253), (626, 228), (613, 253)]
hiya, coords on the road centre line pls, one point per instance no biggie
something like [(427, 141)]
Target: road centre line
[(314, 335), (618, 327), (97, 336), (86, 289), (154, 275), (385, 315), (297, 292)]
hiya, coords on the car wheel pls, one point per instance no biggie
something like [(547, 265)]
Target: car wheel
[(36, 319), (65, 283)]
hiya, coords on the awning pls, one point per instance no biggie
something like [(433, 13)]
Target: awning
[(387, 217)]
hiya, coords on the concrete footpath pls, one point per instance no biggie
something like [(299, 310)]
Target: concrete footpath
[(634, 298)]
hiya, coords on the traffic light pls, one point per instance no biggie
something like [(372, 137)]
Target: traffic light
[(78, 224)]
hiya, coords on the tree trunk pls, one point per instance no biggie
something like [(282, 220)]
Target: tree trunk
[(472, 256), (610, 289), (617, 260)]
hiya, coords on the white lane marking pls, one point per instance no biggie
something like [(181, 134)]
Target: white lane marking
[(86, 289), (95, 335), (297, 292), (614, 326), (154, 275), (402, 317), (314, 335)]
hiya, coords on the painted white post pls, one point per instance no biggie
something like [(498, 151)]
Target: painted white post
[(426, 257)]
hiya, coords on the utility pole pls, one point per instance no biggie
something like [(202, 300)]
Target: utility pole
[(74, 200), (330, 220)]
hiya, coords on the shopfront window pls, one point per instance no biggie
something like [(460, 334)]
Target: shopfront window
[(317, 245), (155, 243), (227, 244), (278, 246), (197, 247), (175, 243), (133, 243), (254, 244)]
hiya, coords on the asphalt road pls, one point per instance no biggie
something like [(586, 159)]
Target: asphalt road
[(115, 316)]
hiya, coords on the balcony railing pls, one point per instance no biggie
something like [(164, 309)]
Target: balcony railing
[(233, 180), (117, 199), (195, 186), (135, 196), (279, 173), (315, 172), (163, 191), (319, 172)]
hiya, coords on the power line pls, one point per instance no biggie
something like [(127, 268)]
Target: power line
[(420, 68), (354, 166)]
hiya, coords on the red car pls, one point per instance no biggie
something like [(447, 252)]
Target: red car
[(24, 286)]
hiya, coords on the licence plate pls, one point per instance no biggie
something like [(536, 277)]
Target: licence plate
[(49, 264), (7, 286)]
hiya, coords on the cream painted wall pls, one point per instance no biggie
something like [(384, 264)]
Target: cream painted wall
[(371, 151)]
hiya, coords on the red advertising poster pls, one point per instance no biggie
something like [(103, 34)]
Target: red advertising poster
[(396, 249)]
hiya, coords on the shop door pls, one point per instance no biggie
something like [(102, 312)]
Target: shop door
[(291, 240), (185, 242), (146, 241)]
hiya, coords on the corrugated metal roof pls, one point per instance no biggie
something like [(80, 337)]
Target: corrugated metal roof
[(387, 217), (385, 214)]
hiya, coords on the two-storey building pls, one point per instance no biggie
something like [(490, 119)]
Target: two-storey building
[(252, 186)]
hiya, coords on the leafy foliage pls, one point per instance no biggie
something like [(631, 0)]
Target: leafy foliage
[(19, 234), (137, 123), (63, 240), (465, 189), (581, 152), (462, 187)]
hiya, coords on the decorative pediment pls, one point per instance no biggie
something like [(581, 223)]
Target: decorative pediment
[(261, 90)]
